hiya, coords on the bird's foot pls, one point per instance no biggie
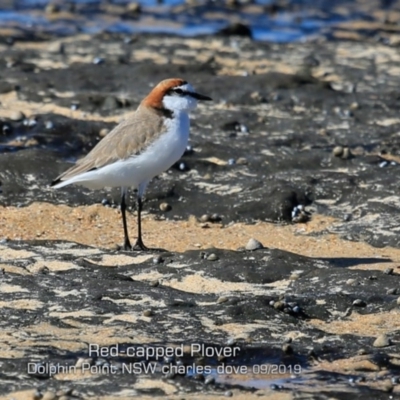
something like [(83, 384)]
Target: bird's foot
[(139, 246)]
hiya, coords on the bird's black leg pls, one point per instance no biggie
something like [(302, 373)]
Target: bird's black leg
[(139, 245), (127, 243)]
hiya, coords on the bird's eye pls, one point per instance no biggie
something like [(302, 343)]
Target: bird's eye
[(178, 91)]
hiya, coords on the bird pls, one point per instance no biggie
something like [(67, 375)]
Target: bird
[(148, 142)]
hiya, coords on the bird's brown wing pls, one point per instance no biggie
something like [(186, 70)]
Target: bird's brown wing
[(127, 139)]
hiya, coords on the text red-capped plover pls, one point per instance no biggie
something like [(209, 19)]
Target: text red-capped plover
[(147, 143)]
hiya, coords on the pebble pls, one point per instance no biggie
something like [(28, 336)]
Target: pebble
[(52, 8), (49, 396), (388, 271), (154, 283), (133, 8), (37, 395), (17, 116), (279, 305), (231, 161), (383, 164), (241, 161), (243, 128), (359, 303), (224, 299), (98, 60), (346, 153), (205, 218), (212, 257), (64, 392), (337, 151), (165, 207), (158, 260), (347, 217), (49, 125), (105, 203), (382, 341), (209, 380), (398, 301), (103, 132), (148, 313), (228, 393), (254, 244), (82, 360), (74, 106), (30, 122), (287, 348), (6, 129), (392, 291), (182, 166), (215, 218), (189, 150)]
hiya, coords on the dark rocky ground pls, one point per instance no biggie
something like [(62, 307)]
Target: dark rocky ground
[(313, 124)]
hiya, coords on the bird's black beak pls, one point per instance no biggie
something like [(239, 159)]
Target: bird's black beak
[(199, 96)]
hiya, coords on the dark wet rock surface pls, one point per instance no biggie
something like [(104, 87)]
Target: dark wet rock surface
[(265, 149), (74, 297)]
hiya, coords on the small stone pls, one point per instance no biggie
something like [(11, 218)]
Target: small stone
[(74, 106), (231, 161), (154, 283), (392, 291), (354, 106), (287, 348), (337, 151), (182, 166), (82, 360), (52, 8), (103, 132), (359, 303), (243, 128), (98, 60), (49, 396), (254, 244), (17, 116), (189, 150), (148, 313), (228, 393), (64, 392), (37, 395), (205, 218), (133, 8), (224, 299), (388, 271), (398, 301), (346, 153), (30, 122), (209, 380), (158, 260), (215, 218), (212, 257), (6, 129), (165, 207), (64, 398), (383, 164), (279, 305), (382, 341), (241, 161), (49, 125), (347, 217), (105, 202)]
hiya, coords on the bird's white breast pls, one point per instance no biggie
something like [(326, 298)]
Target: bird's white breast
[(134, 170)]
